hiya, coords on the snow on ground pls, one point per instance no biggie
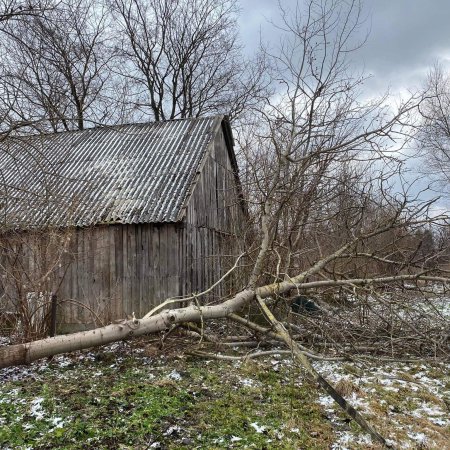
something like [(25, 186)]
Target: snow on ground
[(407, 402), (413, 399)]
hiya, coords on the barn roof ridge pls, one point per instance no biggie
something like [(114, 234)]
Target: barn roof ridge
[(116, 127), (97, 176)]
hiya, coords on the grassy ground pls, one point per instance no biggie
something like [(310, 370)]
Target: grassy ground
[(133, 396)]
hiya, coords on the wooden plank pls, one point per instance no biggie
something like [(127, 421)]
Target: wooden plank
[(69, 315), (105, 267), (144, 269), (156, 275), (64, 292), (163, 263), (118, 279), (172, 262), (94, 255), (102, 270), (133, 261), (111, 275), (83, 283), (90, 287), (126, 272)]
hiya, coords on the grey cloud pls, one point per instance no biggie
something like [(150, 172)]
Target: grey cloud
[(406, 38)]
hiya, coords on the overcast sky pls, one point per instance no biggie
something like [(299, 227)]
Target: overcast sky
[(406, 38)]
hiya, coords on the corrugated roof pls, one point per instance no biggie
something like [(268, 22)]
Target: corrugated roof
[(127, 174)]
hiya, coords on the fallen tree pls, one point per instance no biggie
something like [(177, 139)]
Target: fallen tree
[(27, 352)]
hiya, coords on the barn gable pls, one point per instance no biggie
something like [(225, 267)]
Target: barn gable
[(145, 212)]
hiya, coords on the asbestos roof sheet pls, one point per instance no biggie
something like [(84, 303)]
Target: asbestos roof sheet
[(128, 174)]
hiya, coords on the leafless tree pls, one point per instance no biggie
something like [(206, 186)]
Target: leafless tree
[(314, 128), (434, 133), (14, 9), (54, 70), (183, 59)]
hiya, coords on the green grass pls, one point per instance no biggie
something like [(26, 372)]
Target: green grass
[(115, 408), (128, 403), (287, 412), (123, 399)]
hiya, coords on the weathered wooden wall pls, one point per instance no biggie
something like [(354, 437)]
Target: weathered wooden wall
[(214, 219), (117, 270), (110, 271), (103, 273)]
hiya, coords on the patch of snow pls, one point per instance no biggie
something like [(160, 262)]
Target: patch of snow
[(36, 409), (365, 439), (358, 402), (434, 414), (346, 438), (391, 388), (428, 410), (438, 421), (57, 422), (247, 382), (62, 361), (327, 401), (175, 429), (257, 428), (4, 341), (286, 362), (279, 435), (391, 443), (235, 439), (174, 375), (418, 437)]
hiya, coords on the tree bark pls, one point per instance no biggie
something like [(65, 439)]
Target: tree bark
[(20, 354)]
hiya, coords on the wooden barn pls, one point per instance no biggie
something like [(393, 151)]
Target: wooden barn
[(114, 220)]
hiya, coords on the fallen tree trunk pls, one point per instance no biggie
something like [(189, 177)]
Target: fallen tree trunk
[(26, 353)]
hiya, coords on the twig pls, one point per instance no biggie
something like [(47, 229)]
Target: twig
[(263, 353), (192, 328)]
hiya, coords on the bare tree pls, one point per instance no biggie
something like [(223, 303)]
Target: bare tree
[(10, 11), (183, 58), (14, 9), (434, 133), (54, 70), (315, 127)]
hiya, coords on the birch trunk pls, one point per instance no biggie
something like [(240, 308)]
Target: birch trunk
[(31, 351), (20, 354)]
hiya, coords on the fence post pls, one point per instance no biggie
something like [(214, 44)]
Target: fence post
[(53, 315)]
